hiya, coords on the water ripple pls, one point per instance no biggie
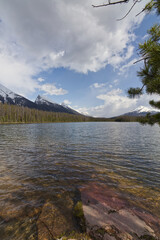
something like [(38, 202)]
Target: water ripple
[(37, 161)]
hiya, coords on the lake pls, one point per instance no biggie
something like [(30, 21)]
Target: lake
[(39, 162)]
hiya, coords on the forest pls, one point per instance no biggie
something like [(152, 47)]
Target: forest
[(19, 114)]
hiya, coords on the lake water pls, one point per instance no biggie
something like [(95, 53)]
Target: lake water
[(38, 162)]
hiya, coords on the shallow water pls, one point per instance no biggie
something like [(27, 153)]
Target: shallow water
[(38, 162)]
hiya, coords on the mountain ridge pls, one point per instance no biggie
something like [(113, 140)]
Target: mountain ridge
[(142, 111), (41, 103), (44, 104), (47, 105)]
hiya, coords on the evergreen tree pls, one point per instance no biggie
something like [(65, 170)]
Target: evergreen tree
[(150, 53), (150, 72)]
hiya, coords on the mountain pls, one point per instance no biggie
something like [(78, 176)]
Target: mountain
[(41, 103), (9, 97), (142, 112), (47, 105)]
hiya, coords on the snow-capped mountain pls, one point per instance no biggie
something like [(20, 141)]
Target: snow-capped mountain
[(5, 93), (7, 96), (47, 105), (142, 111), (43, 100), (41, 103)]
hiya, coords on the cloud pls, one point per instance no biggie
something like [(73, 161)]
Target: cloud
[(116, 81), (115, 103), (145, 36), (41, 79), (67, 102), (127, 66), (82, 110), (98, 85), (51, 89), (80, 37), (38, 35), (16, 74)]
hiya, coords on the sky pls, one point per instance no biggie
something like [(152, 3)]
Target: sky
[(73, 53)]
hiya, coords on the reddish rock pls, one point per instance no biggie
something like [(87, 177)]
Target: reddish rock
[(110, 216)]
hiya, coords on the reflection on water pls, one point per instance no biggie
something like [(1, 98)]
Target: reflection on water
[(40, 161)]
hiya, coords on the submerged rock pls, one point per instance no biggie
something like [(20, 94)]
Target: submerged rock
[(18, 229), (109, 216), (79, 215), (55, 220)]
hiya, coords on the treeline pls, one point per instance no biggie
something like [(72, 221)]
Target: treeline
[(19, 114), (125, 118)]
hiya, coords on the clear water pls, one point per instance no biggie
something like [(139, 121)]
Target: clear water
[(40, 161)]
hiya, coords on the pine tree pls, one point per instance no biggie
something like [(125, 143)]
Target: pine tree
[(150, 53), (150, 73)]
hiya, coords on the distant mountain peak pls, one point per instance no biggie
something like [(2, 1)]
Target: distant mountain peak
[(142, 111), (40, 99), (9, 97), (6, 94), (48, 105), (44, 100), (146, 109), (41, 102), (64, 105)]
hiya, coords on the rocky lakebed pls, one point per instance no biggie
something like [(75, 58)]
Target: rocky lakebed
[(95, 212)]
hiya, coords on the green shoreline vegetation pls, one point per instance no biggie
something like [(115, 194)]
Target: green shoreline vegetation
[(12, 114)]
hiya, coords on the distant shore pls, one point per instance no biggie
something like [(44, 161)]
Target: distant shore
[(13, 114)]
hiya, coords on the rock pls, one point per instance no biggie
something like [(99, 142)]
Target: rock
[(109, 216), (9, 211), (18, 219), (11, 207), (18, 229), (55, 220), (76, 236), (79, 215)]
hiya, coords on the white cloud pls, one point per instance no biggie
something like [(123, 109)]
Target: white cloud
[(127, 66), (67, 102), (37, 35), (41, 79), (116, 103), (116, 81), (16, 74), (145, 36), (82, 110), (98, 85), (129, 52), (51, 89)]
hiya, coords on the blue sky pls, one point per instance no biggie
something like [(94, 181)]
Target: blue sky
[(73, 53)]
